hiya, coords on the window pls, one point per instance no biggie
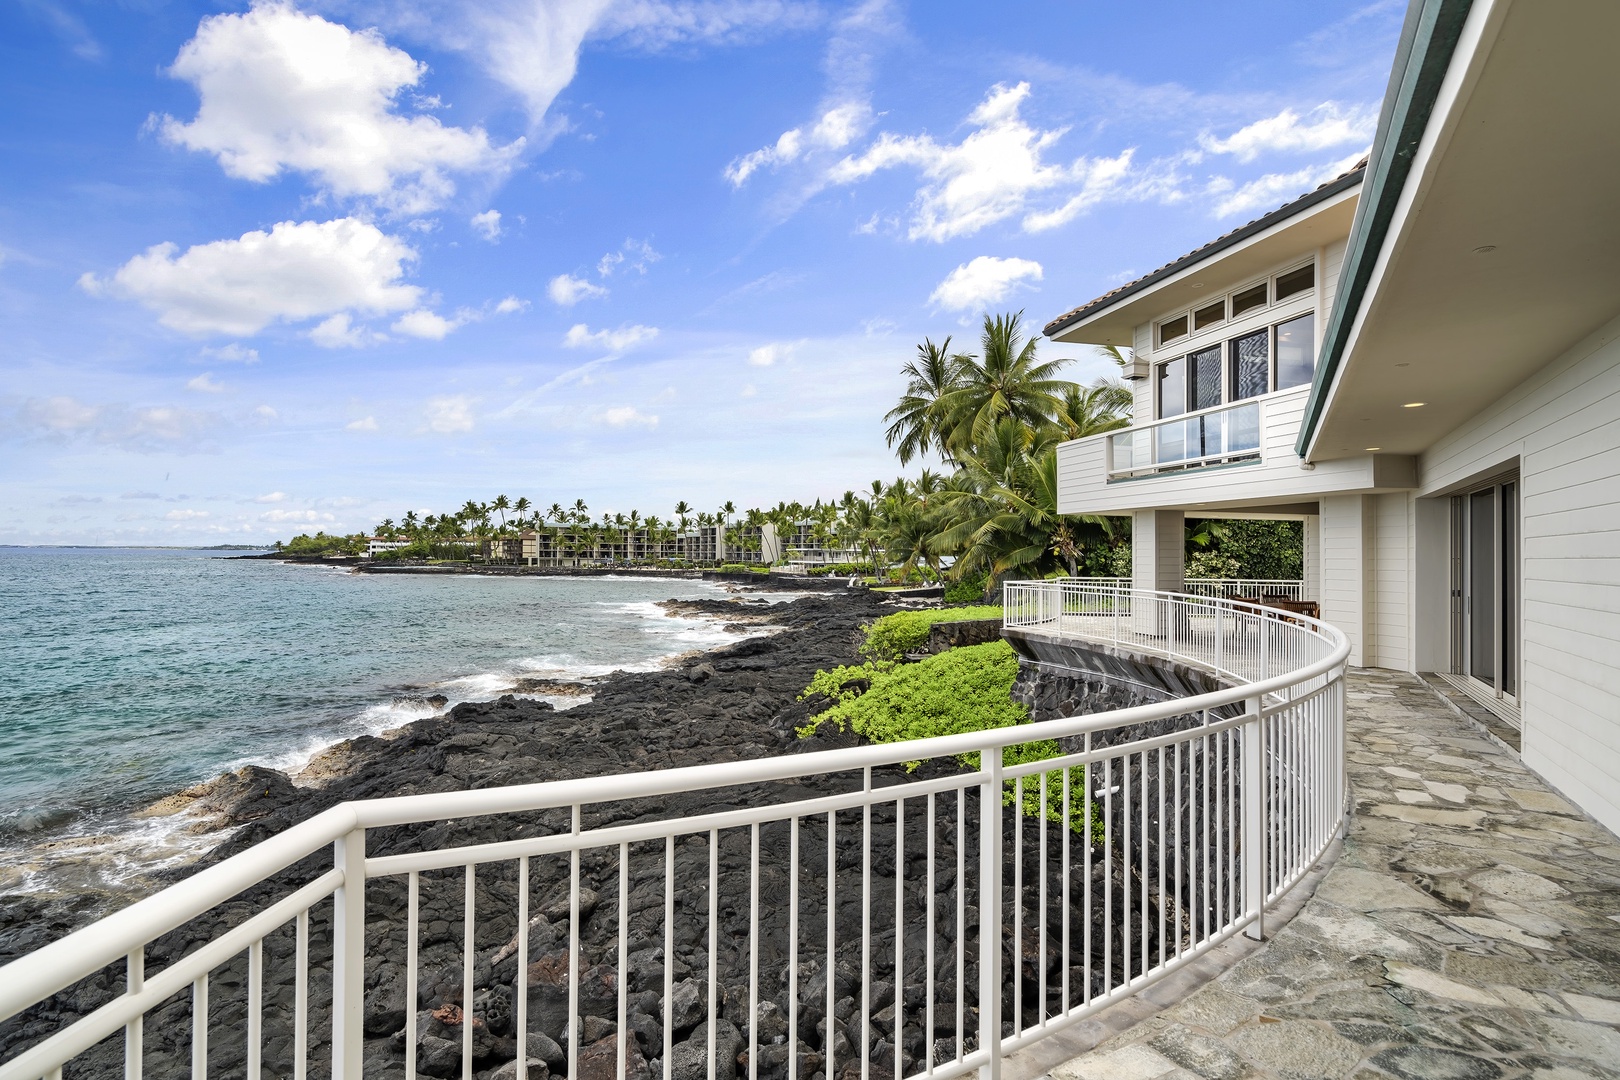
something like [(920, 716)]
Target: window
[(1295, 282), (1173, 387), (1171, 329), (1296, 351), (1204, 378), (1210, 314), (1248, 300), (1251, 365)]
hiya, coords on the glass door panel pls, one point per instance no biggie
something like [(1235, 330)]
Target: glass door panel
[(1510, 588), (1482, 573)]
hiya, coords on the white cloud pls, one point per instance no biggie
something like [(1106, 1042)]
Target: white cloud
[(1328, 125), (273, 497), (281, 89), (423, 323), (748, 390), (301, 516), (627, 415), (205, 384), (186, 515), (835, 129), (580, 336), (296, 271), (265, 412), (150, 428), (1274, 189), (660, 24), (993, 172), (488, 225), (769, 354), (234, 353), (566, 290), (511, 305), (365, 423), (449, 414), (983, 281), (634, 255), (339, 332)]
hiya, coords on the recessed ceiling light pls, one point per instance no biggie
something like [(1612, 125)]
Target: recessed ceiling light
[(1198, 284), (1403, 365), (1372, 448), (1484, 249), (1414, 404)]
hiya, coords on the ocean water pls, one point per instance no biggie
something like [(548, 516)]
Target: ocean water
[(126, 675)]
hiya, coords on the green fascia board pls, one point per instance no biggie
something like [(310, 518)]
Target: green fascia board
[(1428, 41)]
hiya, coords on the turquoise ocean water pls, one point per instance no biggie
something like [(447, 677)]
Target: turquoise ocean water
[(126, 675)]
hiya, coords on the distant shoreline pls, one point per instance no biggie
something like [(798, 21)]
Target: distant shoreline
[(135, 547)]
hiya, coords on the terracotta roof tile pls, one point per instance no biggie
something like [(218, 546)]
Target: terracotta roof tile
[(1107, 299)]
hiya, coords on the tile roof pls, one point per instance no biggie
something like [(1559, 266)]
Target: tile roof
[(1108, 299)]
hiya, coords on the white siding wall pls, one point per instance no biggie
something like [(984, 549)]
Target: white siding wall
[(1345, 554), (1563, 426), (1391, 606), (1143, 409), (1313, 557)]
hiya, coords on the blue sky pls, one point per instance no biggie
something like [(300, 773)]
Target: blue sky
[(293, 266)]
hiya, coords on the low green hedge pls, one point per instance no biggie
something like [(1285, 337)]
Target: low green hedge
[(892, 636), (961, 690)]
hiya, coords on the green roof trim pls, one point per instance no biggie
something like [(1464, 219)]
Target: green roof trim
[(1428, 41)]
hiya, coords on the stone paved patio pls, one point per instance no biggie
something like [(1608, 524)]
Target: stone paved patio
[(1469, 931)]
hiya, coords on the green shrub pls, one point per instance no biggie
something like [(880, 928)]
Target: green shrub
[(743, 568), (892, 636), (842, 569), (962, 690), (966, 591)]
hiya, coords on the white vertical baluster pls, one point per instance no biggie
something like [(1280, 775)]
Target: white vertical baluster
[(467, 948), (199, 1028), (832, 909), (522, 987), (866, 927), (898, 1027), (1017, 973), (669, 953), (134, 1033), (255, 1008), (928, 941), (990, 854), (572, 1025), (349, 956), (625, 1035), (793, 950), (301, 998), (1254, 847), (753, 954), (714, 947)]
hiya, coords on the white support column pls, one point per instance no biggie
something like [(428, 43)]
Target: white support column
[(1313, 557), (1158, 562), (1346, 573)]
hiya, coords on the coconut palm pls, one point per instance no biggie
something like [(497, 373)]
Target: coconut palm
[(501, 505), (922, 419), (1091, 410), (1008, 380)]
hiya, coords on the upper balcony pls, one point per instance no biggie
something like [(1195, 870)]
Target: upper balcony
[(1231, 456)]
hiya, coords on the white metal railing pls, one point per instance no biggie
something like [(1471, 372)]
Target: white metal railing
[(1136, 841), (1228, 588), (1224, 434)]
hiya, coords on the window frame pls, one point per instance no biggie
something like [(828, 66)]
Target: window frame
[(1191, 334)]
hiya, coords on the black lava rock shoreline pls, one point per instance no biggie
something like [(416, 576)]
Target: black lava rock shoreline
[(729, 704)]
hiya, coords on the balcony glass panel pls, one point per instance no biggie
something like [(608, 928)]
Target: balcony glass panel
[(1209, 438)]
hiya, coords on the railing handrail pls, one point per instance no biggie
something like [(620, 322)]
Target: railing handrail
[(1191, 414), (56, 966)]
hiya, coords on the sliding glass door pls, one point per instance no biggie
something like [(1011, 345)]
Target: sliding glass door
[(1485, 585)]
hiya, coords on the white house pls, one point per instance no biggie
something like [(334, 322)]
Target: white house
[(1420, 358)]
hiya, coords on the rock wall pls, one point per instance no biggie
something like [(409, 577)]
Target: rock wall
[(954, 635)]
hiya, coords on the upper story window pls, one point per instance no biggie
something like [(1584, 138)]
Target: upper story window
[(1268, 358), (1237, 304)]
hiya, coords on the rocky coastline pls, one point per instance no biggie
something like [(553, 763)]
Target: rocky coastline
[(729, 704)]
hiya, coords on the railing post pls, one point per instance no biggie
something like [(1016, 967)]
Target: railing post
[(990, 974), (1253, 790), (349, 956)]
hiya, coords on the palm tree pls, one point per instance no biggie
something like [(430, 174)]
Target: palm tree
[(1007, 381), (922, 419), (682, 510), (522, 507), (1092, 410), (501, 505)]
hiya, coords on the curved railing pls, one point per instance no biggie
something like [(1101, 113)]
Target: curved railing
[(648, 942)]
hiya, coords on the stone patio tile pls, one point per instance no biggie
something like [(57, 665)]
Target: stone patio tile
[(1472, 937)]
